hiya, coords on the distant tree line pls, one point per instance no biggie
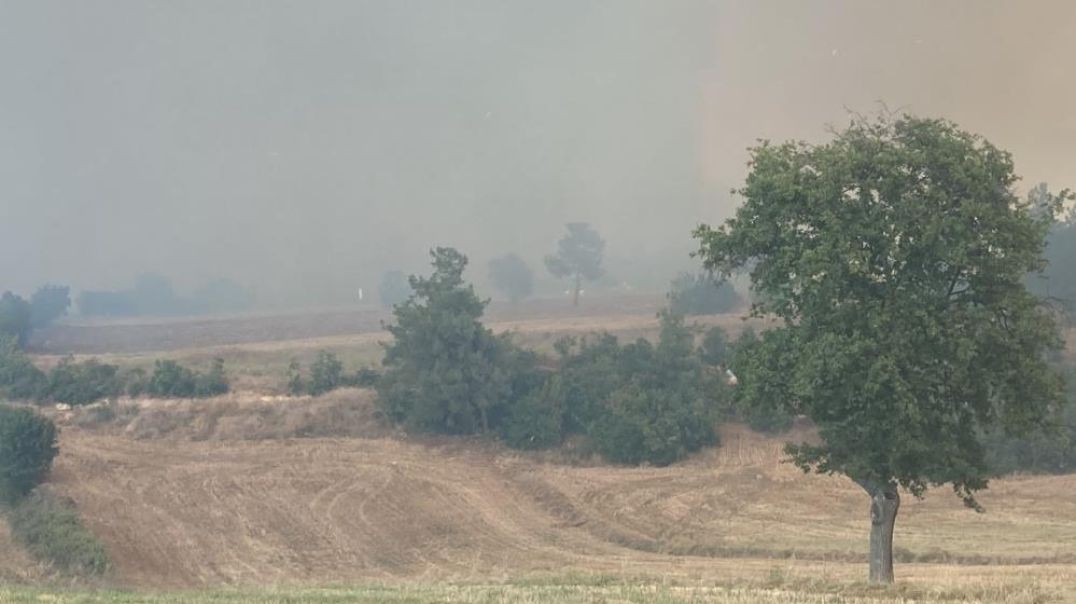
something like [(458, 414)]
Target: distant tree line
[(153, 295), (19, 317)]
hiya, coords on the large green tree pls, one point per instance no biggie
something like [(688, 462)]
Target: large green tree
[(896, 255), (579, 257), (444, 370)]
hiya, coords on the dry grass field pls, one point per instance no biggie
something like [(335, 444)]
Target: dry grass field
[(256, 497)]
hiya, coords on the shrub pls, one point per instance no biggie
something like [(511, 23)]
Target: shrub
[(639, 402), (715, 347), (444, 370), (172, 380), (19, 378), (49, 302), (81, 383), (766, 413), (50, 529), (590, 371), (365, 378), (15, 314), (326, 373), (213, 382), (135, 382), (534, 421), (27, 448), (1048, 451), (700, 295), (296, 384)]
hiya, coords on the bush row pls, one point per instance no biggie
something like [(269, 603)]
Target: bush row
[(326, 373), (446, 372), (83, 382)]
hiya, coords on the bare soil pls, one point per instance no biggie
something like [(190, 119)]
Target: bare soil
[(144, 334), (227, 492)]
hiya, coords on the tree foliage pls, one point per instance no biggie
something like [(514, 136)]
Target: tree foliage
[(640, 401), (896, 256), (172, 380), (20, 379), (444, 370), (511, 275), (27, 448), (692, 294), (15, 318), (48, 303), (81, 383), (579, 256)]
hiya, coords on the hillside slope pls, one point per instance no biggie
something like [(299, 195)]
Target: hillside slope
[(223, 509)]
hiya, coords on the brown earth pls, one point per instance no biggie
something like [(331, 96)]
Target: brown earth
[(135, 335), (194, 494)]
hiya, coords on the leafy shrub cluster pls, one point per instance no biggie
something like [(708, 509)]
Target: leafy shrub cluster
[(47, 526), (15, 318), (83, 382), (172, 380), (50, 529), (326, 374), (446, 372), (1046, 451), (27, 448), (692, 294)]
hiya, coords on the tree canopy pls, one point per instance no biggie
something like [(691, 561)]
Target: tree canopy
[(896, 255), (511, 275), (579, 256)]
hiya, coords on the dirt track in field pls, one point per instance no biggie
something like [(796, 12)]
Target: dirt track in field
[(258, 507)]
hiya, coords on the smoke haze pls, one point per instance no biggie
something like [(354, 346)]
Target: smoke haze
[(303, 148)]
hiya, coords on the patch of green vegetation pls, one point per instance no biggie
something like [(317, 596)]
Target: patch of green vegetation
[(50, 529)]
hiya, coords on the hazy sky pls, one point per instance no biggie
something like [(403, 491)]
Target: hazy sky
[(303, 147)]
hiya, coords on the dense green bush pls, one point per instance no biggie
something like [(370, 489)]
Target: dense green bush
[(172, 380), (1047, 451), (81, 383), (27, 448), (326, 373), (444, 370), (19, 378), (638, 402), (49, 302), (766, 414), (692, 294), (534, 420), (714, 349), (590, 370), (50, 529), (15, 318)]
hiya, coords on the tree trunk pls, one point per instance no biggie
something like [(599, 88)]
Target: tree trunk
[(885, 501), (578, 284)]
